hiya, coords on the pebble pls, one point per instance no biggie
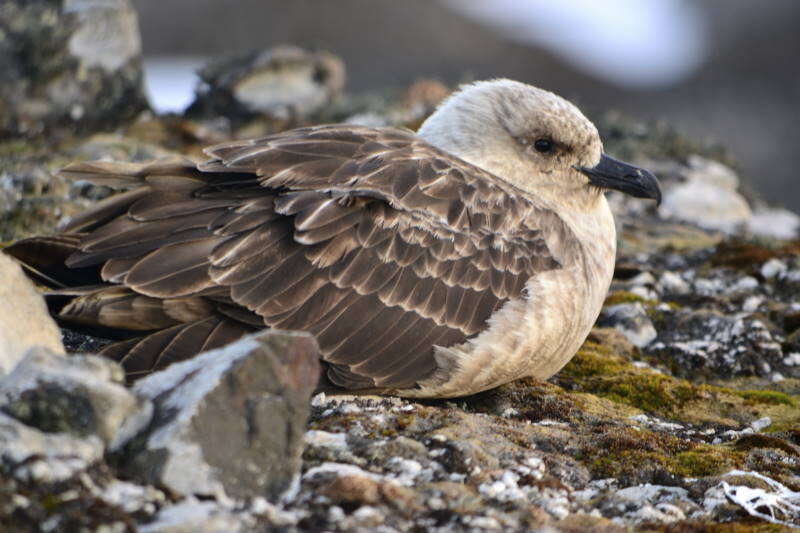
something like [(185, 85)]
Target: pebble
[(774, 223), (33, 455), (80, 394), (792, 359), (745, 284), (631, 320), (773, 268), (672, 283), (761, 423), (752, 303), (324, 439)]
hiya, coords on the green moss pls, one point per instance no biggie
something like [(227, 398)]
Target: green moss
[(785, 418), (770, 397), (16, 148), (655, 393), (636, 454), (602, 367), (593, 359), (51, 502), (657, 315), (705, 460), (533, 400), (759, 440), (783, 426), (596, 370), (625, 297)]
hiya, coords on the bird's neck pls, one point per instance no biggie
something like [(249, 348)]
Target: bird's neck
[(595, 230)]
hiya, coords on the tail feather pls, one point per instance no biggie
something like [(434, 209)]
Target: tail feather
[(144, 355), (105, 211), (120, 175), (43, 258), (139, 177), (152, 331)]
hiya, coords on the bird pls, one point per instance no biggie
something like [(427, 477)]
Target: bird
[(431, 264)]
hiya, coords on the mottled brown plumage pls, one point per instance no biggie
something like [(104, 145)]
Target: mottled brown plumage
[(374, 240), (382, 245)]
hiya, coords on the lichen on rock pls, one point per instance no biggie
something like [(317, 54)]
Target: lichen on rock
[(68, 65)]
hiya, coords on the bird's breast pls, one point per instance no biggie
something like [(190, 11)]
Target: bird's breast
[(537, 334)]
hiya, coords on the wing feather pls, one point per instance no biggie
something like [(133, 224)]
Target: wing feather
[(173, 270)]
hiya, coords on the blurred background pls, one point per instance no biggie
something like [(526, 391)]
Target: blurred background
[(722, 72)]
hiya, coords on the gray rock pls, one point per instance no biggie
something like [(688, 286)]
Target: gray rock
[(631, 320), (671, 283), (106, 34), (68, 63), (419, 100), (774, 223), (24, 320), (773, 268), (230, 421), (708, 197), (710, 344), (130, 497), (285, 82), (648, 503), (32, 455), (642, 285), (193, 516), (81, 395)]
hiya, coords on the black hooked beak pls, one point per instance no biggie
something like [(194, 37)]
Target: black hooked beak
[(612, 174)]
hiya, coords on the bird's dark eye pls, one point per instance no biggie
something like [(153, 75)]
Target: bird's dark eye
[(543, 146)]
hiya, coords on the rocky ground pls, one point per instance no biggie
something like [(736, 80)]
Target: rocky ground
[(679, 413)]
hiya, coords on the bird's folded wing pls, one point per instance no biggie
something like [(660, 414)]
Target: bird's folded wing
[(378, 243)]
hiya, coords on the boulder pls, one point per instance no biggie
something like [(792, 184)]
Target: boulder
[(24, 321), (197, 517), (68, 63), (284, 83), (230, 421), (708, 197), (774, 223), (80, 395), (33, 455), (707, 343)]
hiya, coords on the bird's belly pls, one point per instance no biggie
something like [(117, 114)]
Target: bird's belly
[(531, 336)]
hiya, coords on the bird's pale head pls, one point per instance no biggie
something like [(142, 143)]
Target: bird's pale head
[(533, 138)]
